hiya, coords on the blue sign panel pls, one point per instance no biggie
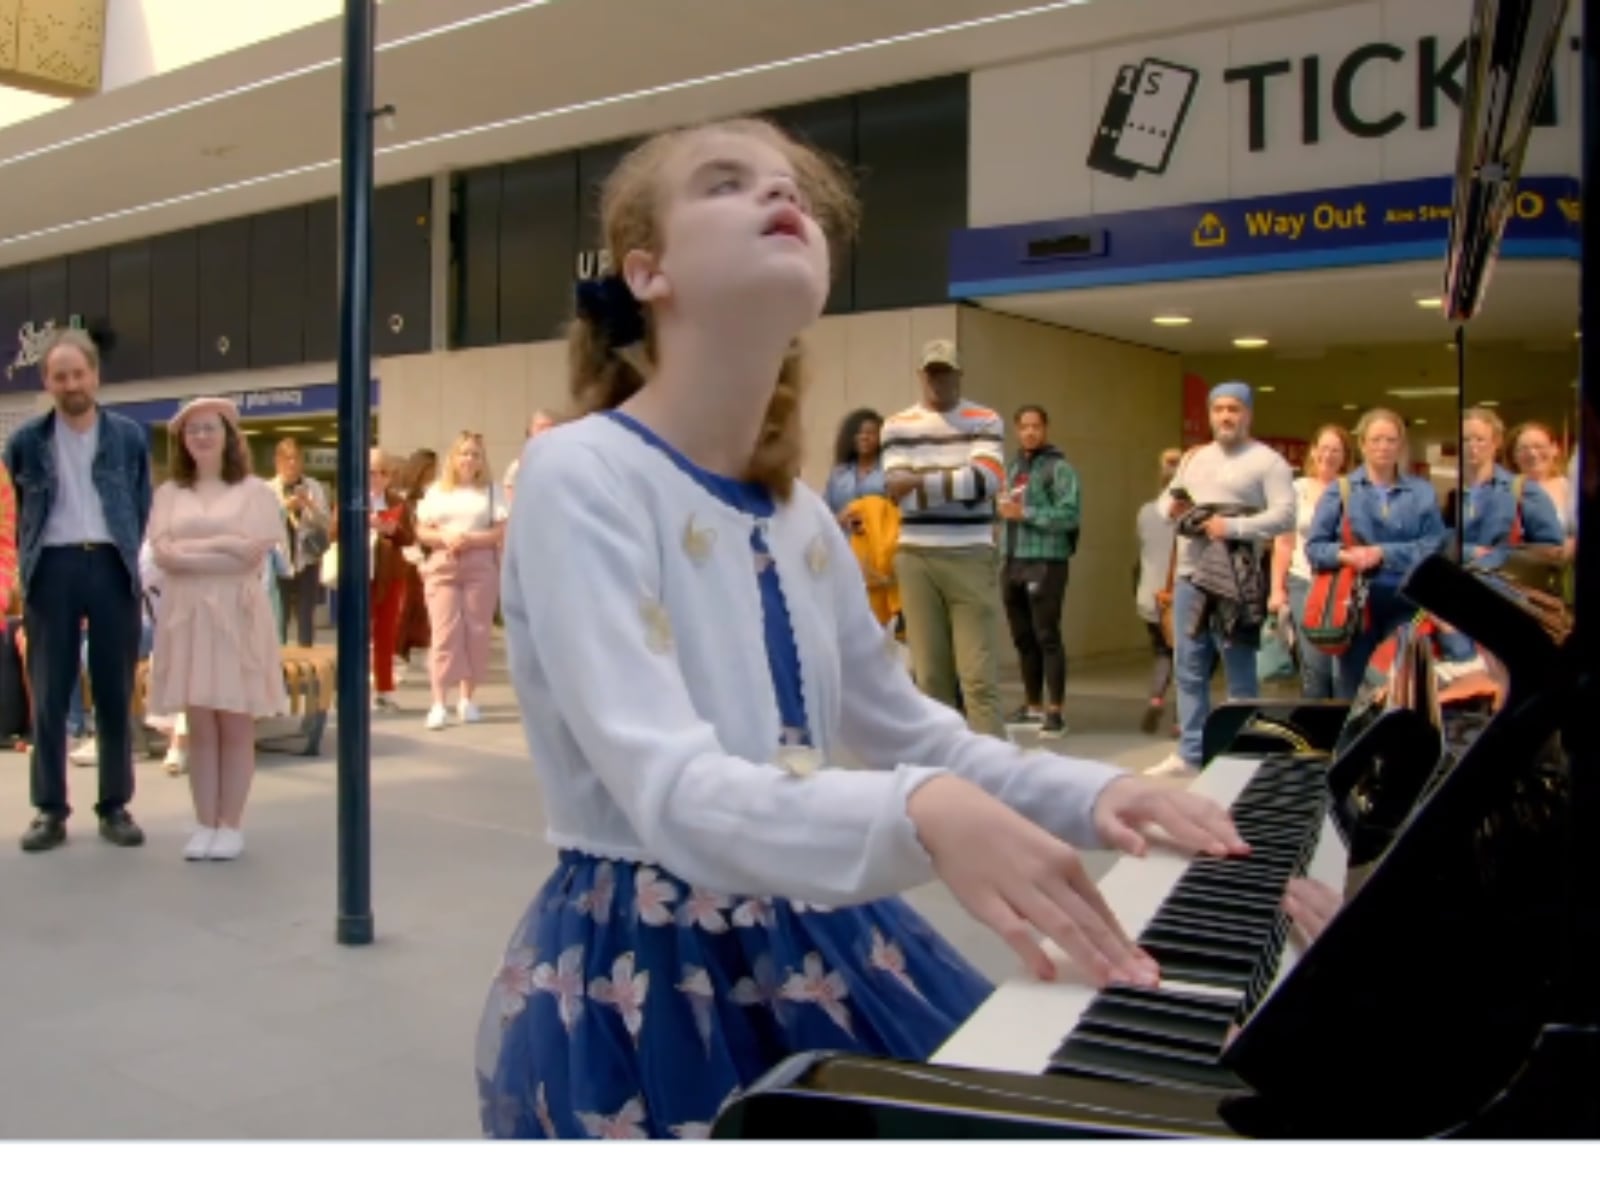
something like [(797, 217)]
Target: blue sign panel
[(1340, 227), (276, 403)]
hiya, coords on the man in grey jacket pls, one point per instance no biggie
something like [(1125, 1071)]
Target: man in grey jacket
[(1232, 472)]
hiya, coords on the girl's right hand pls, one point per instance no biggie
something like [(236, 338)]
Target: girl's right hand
[(1019, 880)]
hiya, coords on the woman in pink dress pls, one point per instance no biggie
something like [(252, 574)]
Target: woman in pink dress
[(212, 525)]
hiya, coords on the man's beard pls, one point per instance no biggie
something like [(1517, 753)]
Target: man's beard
[(75, 404)]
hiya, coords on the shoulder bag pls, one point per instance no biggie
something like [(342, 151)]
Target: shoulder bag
[(1336, 608)]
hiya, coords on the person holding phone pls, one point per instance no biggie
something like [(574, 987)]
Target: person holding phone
[(1040, 509), (308, 515)]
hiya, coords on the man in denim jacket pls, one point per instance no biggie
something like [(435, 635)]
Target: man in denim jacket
[(82, 477)]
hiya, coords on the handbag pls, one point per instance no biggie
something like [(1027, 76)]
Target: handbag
[(1336, 608), (1276, 658)]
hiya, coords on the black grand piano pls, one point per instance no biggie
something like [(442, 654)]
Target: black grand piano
[(1457, 991)]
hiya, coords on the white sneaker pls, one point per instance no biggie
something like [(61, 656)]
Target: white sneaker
[(436, 717), (226, 846), (199, 846), (176, 761), (468, 711), (1173, 767), (85, 754)]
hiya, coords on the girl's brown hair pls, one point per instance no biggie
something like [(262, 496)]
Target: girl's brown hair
[(183, 471), (602, 377), (1347, 445)]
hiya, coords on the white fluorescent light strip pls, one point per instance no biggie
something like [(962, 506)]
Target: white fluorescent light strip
[(679, 85), (563, 110), (169, 202), (244, 89)]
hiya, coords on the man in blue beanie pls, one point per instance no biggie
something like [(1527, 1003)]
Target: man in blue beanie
[(1251, 489)]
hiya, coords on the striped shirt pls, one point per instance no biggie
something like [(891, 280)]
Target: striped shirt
[(959, 460)]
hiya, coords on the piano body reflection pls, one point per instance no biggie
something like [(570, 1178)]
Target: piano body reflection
[(1435, 1003)]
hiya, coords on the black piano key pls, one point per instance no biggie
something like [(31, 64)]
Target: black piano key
[(1111, 1058), (1248, 938), (1156, 1030), (1162, 999)]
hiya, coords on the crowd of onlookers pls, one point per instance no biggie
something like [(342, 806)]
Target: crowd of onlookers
[(1229, 550), (949, 534), (193, 578)]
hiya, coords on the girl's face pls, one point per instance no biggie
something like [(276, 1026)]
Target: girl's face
[(1380, 445), (205, 437), (1327, 456), (1477, 437), (469, 462), (737, 237), (867, 440), (1535, 453)]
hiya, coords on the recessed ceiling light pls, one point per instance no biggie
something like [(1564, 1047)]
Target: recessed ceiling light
[(1489, 403), (1250, 343), (1350, 407), (1267, 387), (1171, 319), (1420, 421), (1419, 393), (1429, 302)]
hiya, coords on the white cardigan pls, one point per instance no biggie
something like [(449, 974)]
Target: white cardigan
[(634, 627)]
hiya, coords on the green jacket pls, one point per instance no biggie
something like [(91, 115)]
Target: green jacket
[(1048, 531)]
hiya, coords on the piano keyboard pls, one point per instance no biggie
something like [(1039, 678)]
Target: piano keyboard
[(1215, 927)]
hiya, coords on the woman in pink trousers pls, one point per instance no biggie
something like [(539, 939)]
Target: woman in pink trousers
[(461, 523)]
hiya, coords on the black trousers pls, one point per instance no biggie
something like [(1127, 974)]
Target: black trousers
[(1034, 595), (299, 593), (72, 584)]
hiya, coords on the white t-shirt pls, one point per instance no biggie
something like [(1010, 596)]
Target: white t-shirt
[(1307, 494), (462, 510)]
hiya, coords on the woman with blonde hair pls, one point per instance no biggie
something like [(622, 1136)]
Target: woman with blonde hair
[(461, 522), (693, 653), (1331, 454), (1394, 521), (215, 659)]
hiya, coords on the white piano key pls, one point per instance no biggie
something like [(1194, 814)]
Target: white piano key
[(1022, 1024)]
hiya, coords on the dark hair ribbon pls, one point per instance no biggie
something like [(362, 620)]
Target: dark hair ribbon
[(610, 306)]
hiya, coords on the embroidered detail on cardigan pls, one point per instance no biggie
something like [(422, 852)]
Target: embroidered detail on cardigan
[(657, 626), (698, 543), (817, 555)]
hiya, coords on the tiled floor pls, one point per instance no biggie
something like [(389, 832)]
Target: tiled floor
[(142, 997)]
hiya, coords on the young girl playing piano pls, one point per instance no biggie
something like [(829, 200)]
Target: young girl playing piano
[(692, 652)]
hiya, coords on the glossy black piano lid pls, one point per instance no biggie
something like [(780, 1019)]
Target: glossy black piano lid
[(849, 1097), (1425, 995)]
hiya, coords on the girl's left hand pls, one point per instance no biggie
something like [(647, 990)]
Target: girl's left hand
[(1134, 802)]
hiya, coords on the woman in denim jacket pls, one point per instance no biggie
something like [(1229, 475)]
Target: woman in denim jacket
[(1395, 519), (1492, 503)]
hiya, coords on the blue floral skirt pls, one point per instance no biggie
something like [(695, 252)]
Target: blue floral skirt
[(631, 1005)]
